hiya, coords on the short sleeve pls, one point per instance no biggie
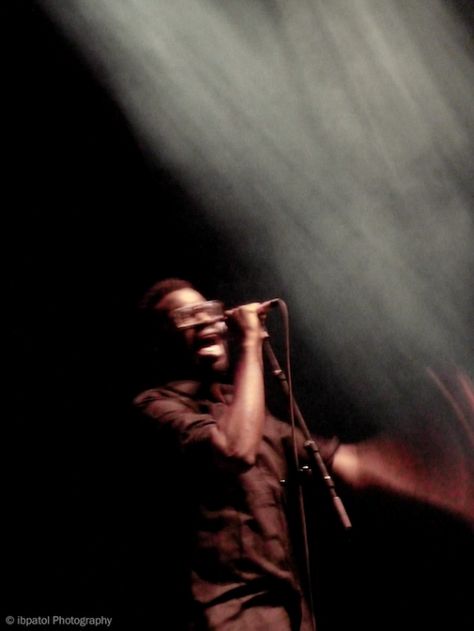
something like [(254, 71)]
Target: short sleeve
[(176, 420)]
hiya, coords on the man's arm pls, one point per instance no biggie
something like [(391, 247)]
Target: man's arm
[(432, 462), (239, 433)]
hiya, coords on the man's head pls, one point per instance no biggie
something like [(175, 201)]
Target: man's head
[(189, 327)]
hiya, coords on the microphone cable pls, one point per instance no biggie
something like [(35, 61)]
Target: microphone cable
[(283, 308)]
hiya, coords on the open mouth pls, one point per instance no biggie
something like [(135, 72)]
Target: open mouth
[(209, 343)]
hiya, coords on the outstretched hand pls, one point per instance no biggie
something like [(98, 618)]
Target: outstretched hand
[(431, 460)]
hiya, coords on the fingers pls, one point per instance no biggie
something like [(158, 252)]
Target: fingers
[(251, 307), (247, 318)]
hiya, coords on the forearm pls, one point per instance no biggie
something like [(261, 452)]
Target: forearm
[(431, 459), (437, 474), (240, 430)]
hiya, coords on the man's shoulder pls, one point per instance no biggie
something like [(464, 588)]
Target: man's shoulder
[(151, 394), (180, 393)]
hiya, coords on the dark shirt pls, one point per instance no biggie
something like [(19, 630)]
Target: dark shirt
[(241, 533)]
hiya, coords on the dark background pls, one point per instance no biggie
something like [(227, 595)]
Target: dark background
[(91, 222)]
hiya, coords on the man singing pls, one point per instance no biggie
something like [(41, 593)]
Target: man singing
[(243, 571)]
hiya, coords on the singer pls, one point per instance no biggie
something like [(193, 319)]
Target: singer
[(242, 568), (211, 410)]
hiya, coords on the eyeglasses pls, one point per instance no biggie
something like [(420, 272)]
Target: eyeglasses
[(193, 315)]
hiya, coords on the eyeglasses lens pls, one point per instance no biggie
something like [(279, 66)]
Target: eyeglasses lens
[(194, 314)]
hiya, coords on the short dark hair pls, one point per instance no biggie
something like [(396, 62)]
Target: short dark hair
[(154, 342), (159, 290)]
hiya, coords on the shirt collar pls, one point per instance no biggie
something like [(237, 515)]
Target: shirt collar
[(192, 389)]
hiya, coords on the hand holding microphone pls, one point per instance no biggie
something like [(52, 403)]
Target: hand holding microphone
[(259, 308), (249, 318), (262, 308)]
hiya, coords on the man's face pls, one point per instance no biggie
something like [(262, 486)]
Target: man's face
[(193, 321)]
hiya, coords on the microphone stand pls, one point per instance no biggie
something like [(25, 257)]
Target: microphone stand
[(310, 444)]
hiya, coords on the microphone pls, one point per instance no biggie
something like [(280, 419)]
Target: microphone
[(264, 306), (267, 305), (262, 310), (209, 308)]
